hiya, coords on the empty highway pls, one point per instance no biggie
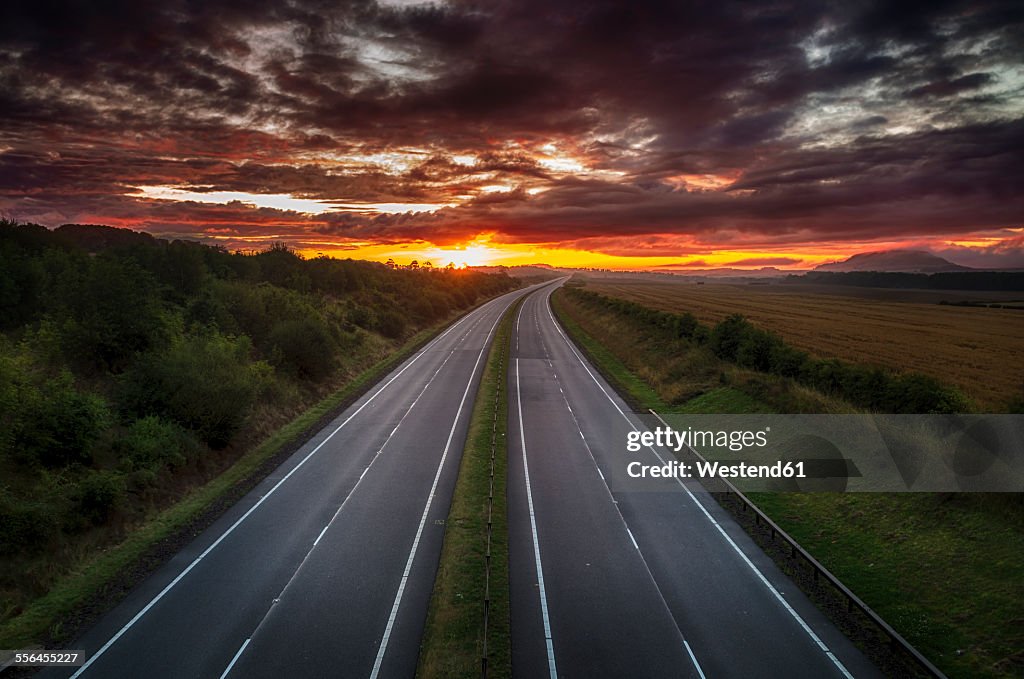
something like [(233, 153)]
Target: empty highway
[(658, 582), (326, 567)]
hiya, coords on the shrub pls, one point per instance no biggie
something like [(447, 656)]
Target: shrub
[(56, 424), (303, 347), (727, 336), (390, 324), (786, 361), (686, 325), (916, 393), (152, 444), (99, 492), (360, 316), (205, 383), (755, 350), (25, 526), (826, 375)]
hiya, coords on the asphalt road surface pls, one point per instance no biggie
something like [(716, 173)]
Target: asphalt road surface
[(658, 582), (326, 567)]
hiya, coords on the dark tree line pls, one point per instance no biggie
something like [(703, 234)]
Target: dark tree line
[(124, 357)]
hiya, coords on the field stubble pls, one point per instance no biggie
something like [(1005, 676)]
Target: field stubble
[(977, 349)]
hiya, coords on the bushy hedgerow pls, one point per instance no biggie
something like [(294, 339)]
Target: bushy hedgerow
[(736, 340)]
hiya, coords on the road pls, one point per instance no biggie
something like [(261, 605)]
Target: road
[(658, 582), (326, 567)]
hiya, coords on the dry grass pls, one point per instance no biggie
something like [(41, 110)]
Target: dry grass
[(977, 349)]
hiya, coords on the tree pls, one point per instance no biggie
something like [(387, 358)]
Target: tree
[(303, 347), (55, 424), (726, 336), (205, 383), (107, 309)]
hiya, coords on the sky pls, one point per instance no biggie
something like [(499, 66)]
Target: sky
[(625, 135)]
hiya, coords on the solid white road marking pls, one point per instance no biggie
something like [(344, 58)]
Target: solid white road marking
[(235, 659), (771, 588), (128, 625), (426, 509), (533, 525), (317, 541), (694, 659)]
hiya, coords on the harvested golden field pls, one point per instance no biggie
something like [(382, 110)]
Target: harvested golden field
[(978, 349)]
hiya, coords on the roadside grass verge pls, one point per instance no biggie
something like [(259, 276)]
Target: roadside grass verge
[(945, 570), (637, 393), (453, 641), (723, 400), (78, 597)]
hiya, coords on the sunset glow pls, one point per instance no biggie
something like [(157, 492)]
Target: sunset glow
[(522, 133)]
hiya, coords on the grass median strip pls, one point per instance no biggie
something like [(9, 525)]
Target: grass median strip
[(455, 642), (86, 592)]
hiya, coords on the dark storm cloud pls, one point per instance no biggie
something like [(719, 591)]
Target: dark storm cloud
[(947, 88), (826, 120)]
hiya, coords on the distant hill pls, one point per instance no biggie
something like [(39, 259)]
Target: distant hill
[(900, 261)]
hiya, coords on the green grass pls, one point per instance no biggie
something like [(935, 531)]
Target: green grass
[(945, 570), (637, 393), (722, 400), (453, 638), (43, 618)]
